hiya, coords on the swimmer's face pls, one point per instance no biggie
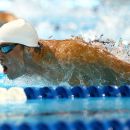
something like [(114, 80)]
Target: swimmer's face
[(11, 58)]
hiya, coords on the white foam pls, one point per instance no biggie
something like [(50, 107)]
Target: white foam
[(12, 95), (91, 36), (16, 94), (3, 95), (120, 48)]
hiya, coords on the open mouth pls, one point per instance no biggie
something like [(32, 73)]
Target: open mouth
[(5, 69)]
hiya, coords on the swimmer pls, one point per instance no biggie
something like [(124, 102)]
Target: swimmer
[(57, 61)]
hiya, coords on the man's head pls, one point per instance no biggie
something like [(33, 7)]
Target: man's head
[(15, 38), (11, 57)]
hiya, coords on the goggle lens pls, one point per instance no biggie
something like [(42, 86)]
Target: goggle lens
[(6, 48)]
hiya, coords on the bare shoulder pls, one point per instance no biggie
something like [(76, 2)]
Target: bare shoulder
[(73, 49)]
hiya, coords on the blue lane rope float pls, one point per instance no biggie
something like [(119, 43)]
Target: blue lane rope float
[(24, 126), (47, 92), (95, 91), (111, 91), (125, 91), (94, 124), (63, 92), (77, 92), (32, 93)]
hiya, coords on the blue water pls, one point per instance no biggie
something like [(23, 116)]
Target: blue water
[(66, 109)]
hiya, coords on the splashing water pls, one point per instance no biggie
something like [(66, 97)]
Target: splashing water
[(120, 49), (106, 21)]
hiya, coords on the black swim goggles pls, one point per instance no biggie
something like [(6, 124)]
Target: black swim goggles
[(6, 48)]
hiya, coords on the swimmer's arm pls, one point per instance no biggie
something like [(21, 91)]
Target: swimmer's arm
[(73, 50), (116, 64)]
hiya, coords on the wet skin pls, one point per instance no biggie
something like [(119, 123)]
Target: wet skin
[(14, 62), (71, 61)]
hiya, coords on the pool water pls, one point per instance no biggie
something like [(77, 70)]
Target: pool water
[(66, 110), (53, 110)]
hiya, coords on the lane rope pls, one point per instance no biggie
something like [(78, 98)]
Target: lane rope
[(77, 92), (94, 124)]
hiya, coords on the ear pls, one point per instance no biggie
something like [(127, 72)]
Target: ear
[(40, 44)]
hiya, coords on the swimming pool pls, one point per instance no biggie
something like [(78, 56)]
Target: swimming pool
[(63, 106), (60, 26), (54, 111), (66, 110)]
